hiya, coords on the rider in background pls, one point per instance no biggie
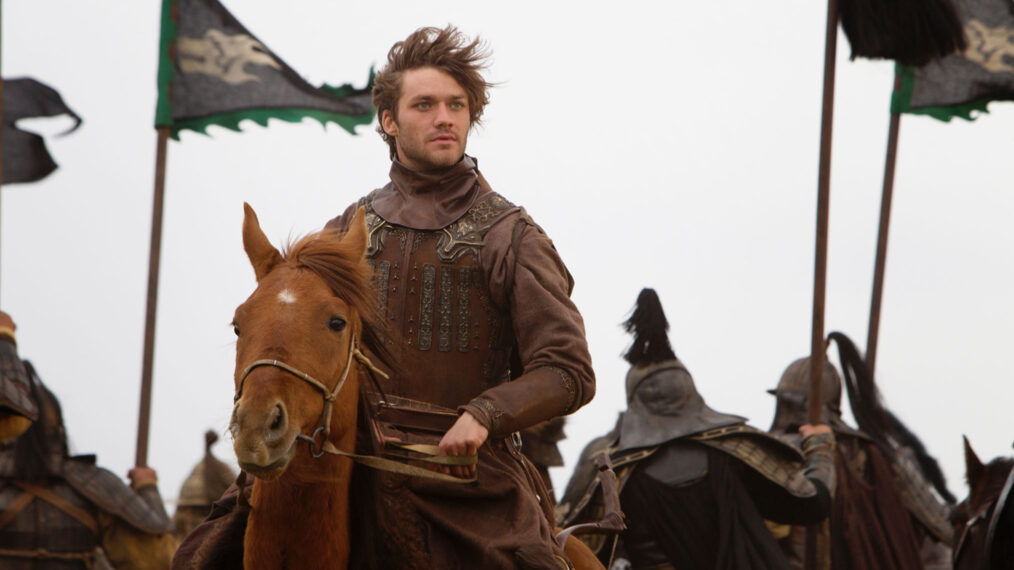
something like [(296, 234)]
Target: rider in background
[(886, 512), (696, 485), (58, 511), (208, 481)]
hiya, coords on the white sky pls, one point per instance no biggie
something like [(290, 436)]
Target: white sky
[(674, 148)]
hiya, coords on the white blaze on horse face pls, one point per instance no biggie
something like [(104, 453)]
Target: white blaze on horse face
[(287, 297)]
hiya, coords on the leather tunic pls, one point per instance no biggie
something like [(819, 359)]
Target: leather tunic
[(459, 299), (460, 293), (443, 325)]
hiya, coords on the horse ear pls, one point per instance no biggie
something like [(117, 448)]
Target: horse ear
[(355, 238), (973, 466), (262, 254)]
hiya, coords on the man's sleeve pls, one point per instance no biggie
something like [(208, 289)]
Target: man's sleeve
[(130, 549), (526, 272), (342, 221)]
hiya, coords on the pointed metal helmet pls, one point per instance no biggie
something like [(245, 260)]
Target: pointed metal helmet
[(15, 381), (793, 393), (662, 401), (663, 405), (208, 480)]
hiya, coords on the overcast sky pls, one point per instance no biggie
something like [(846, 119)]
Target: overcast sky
[(673, 147)]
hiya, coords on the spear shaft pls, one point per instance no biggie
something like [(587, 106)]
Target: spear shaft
[(820, 256)]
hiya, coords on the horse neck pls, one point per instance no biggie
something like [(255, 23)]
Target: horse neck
[(297, 525), (301, 519)]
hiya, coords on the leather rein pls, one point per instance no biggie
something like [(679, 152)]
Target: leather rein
[(323, 431)]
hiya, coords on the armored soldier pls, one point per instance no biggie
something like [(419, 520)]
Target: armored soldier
[(62, 512), (17, 406), (208, 480), (886, 512), (695, 484)]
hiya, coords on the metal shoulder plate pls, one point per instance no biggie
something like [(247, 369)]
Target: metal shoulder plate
[(465, 235), (774, 459), (105, 489), (916, 494)]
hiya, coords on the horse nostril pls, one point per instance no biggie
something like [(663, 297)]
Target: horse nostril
[(278, 421)]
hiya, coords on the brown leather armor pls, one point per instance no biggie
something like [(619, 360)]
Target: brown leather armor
[(15, 383), (51, 527), (430, 286), (141, 509)]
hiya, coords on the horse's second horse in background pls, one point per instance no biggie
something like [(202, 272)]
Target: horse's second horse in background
[(984, 537)]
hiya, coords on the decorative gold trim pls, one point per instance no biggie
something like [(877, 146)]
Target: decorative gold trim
[(465, 235)]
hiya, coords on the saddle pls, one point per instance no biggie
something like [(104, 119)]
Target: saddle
[(404, 429), (405, 434)]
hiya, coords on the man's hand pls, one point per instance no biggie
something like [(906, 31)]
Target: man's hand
[(142, 476), (806, 430), (464, 438)]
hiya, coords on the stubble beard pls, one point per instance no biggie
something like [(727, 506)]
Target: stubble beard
[(424, 160)]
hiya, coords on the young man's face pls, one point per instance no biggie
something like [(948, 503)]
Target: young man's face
[(433, 120)]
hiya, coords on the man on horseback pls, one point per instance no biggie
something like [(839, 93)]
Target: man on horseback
[(886, 512), (696, 485), (58, 511), (466, 280)]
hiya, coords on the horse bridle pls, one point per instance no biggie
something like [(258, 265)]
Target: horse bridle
[(330, 395), (323, 431)]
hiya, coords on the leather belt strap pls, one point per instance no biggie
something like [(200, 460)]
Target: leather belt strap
[(12, 512), (385, 464), (81, 515), (43, 554)]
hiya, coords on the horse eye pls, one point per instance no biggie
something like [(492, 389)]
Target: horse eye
[(235, 329), (337, 324)]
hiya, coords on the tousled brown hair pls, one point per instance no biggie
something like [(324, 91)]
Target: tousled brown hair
[(448, 50)]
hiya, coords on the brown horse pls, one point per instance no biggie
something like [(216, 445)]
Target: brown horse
[(983, 536), (297, 379)]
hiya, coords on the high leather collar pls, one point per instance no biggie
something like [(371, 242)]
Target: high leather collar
[(432, 199)]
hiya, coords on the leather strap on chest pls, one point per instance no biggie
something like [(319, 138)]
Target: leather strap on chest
[(43, 554), (32, 491), (15, 508)]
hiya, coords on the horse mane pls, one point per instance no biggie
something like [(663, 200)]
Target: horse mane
[(341, 267), (886, 429)]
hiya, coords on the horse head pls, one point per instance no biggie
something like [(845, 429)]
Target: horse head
[(973, 517), (297, 337)]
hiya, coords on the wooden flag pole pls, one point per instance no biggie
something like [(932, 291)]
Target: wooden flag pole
[(823, 199), (820, 257), (885, 221), (144, 413)]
